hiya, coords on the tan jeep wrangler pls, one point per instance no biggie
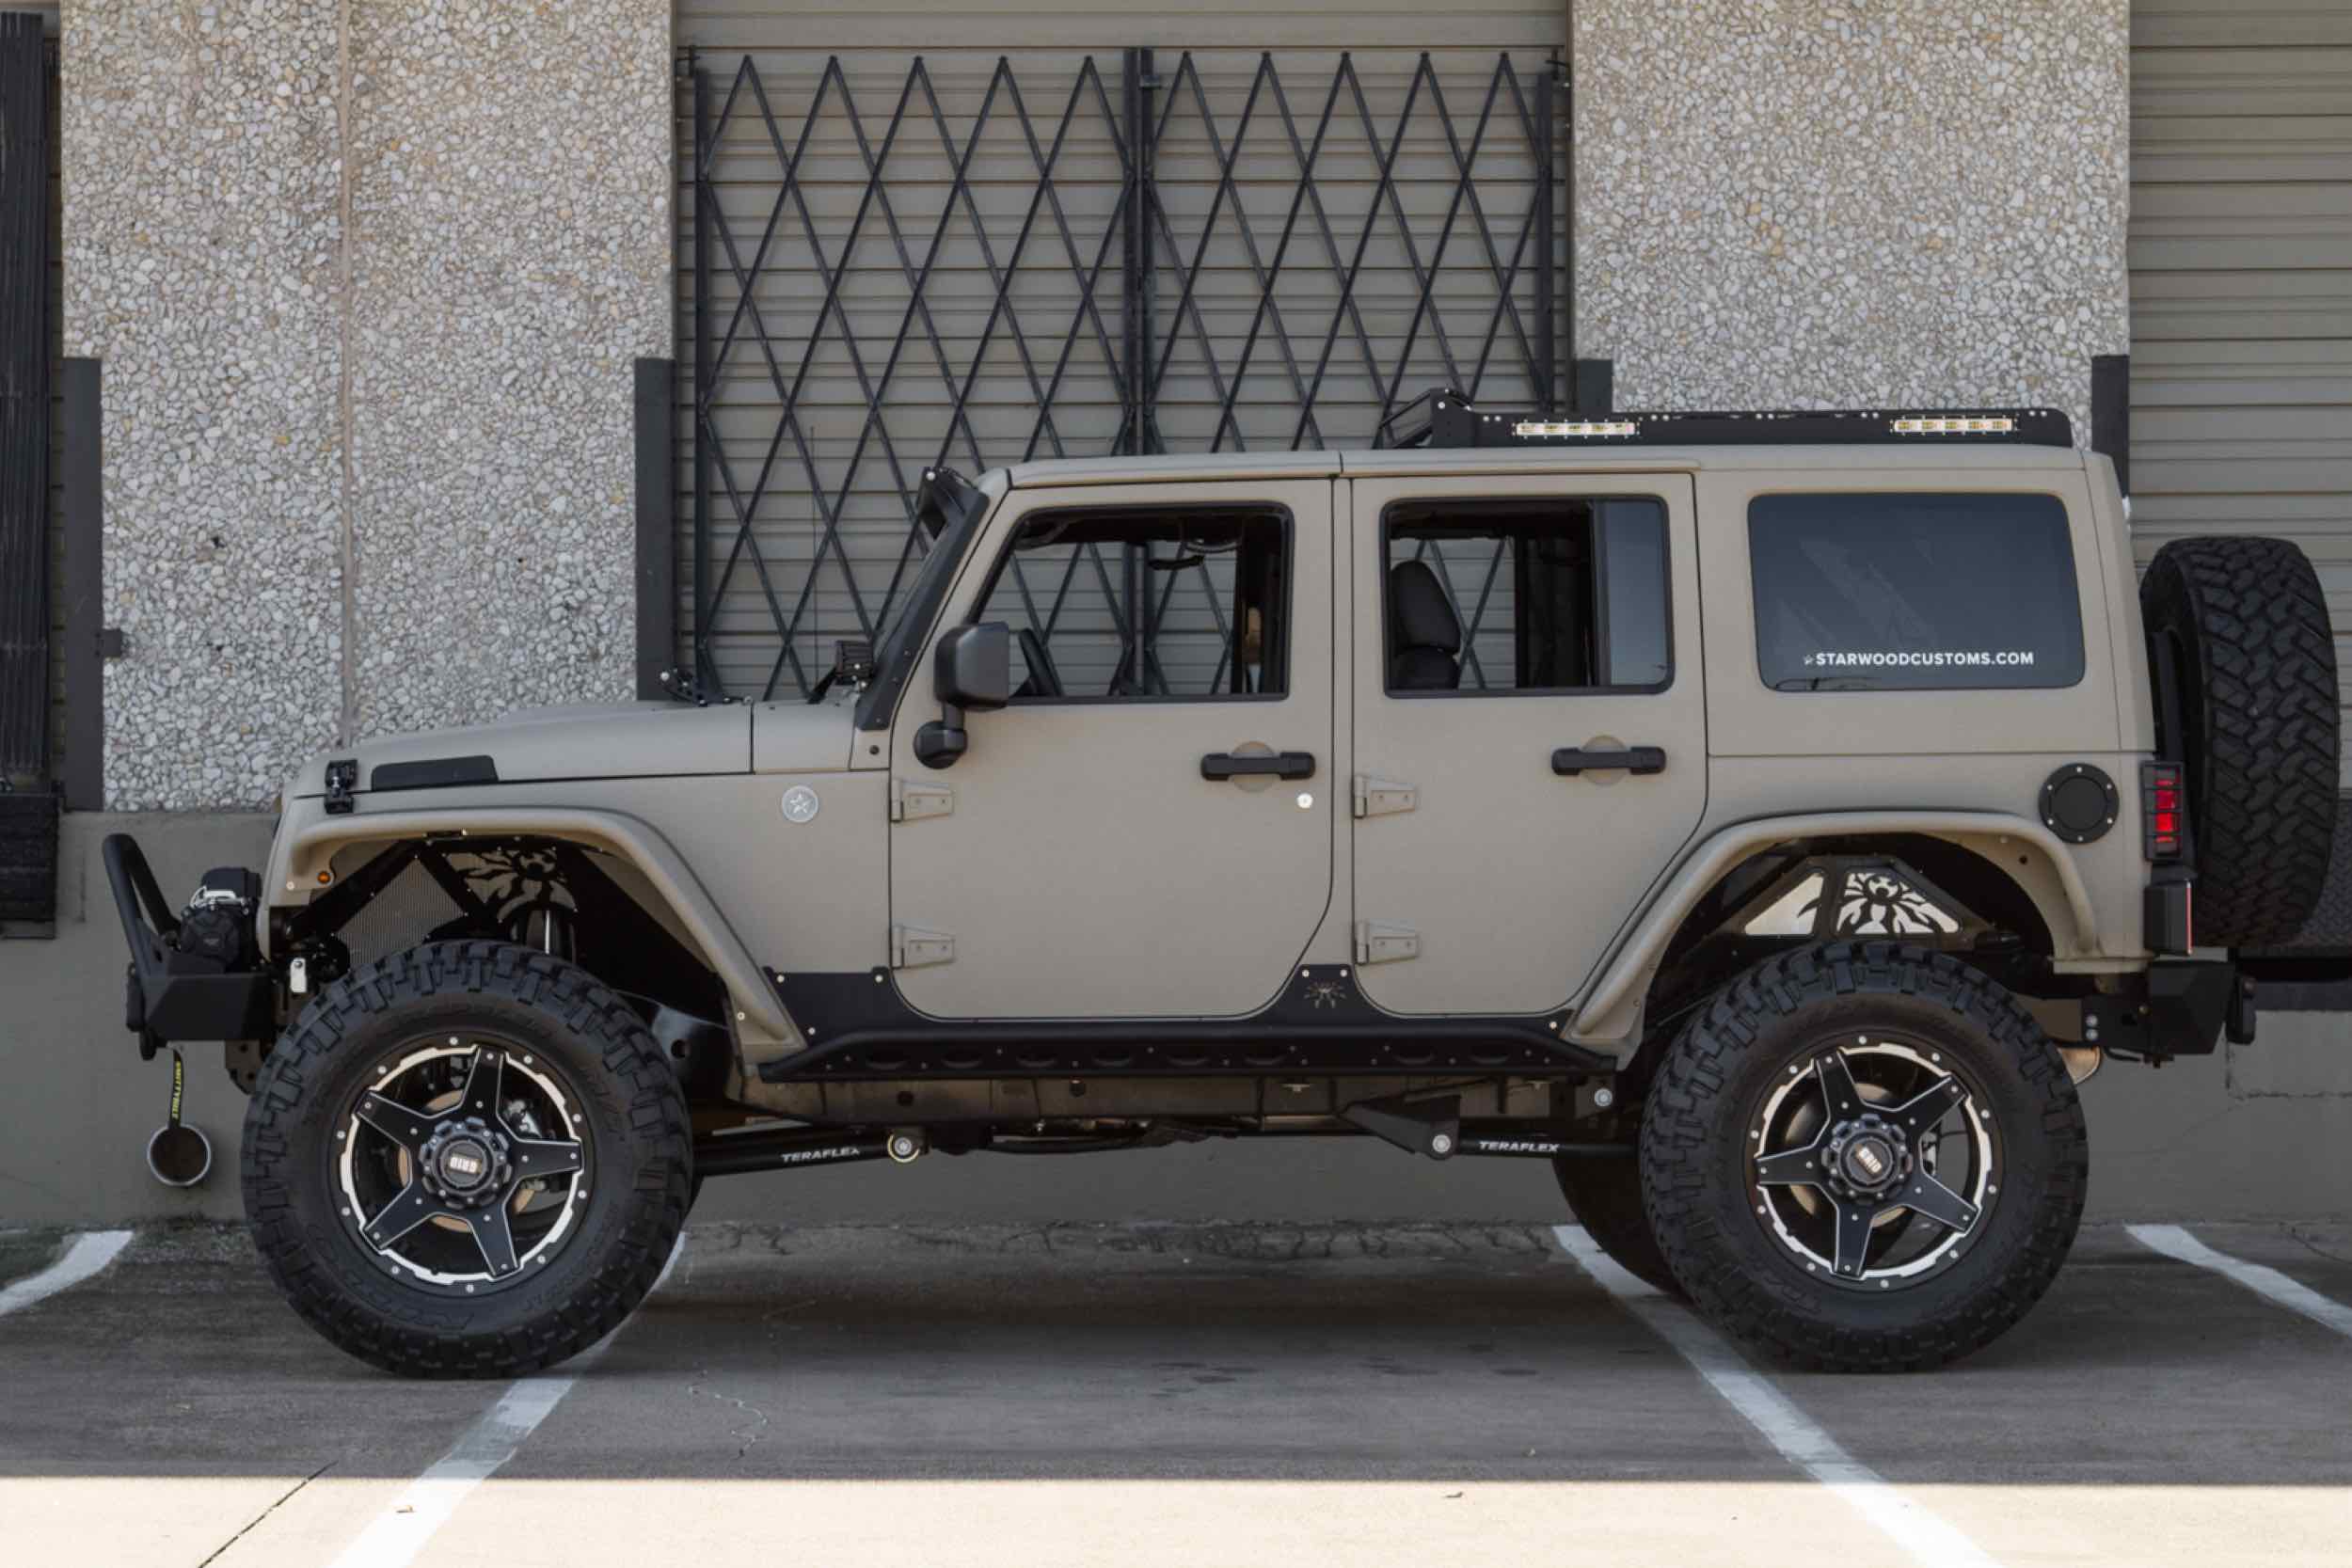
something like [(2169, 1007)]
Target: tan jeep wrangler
[(1765, 818)]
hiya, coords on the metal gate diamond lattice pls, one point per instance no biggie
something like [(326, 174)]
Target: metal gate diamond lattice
[(891, 263)]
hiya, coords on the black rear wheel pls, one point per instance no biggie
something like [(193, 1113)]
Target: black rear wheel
[(1864, 1156), (1605, 1195), (468, 1160)]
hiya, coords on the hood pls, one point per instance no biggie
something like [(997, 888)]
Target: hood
[(615, 741), (803, 737)]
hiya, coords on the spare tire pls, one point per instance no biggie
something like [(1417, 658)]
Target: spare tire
[(2256, 663)]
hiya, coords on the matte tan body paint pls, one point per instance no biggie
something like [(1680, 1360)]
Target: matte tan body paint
[(1208, 893)]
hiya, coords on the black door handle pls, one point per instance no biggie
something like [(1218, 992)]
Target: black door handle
[(1280, 765), (1569, 761)]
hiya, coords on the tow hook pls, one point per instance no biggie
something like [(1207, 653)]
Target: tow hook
[(179, 1155)]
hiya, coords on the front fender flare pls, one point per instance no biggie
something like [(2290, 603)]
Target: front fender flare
[(303, 850), (1610, 1013)]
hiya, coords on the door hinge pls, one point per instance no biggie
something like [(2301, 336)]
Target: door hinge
[(912, 947), (1377, 797), (911, 801), (1385, 941)]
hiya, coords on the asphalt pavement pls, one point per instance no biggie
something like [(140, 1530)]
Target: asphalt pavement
[(1228, 1394)]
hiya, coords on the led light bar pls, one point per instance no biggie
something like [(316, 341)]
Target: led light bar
[(1556, 429), (1956, 424), (1443, 418)]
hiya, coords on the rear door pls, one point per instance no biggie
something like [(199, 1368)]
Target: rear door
[(1530, 728)]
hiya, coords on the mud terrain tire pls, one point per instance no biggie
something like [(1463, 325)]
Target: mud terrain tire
[(2257, 668), (1606, 1198), (631, 1119), (1696, 1168)]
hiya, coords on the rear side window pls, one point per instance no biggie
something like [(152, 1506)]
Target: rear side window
[(1560, 594), (1914, 592)]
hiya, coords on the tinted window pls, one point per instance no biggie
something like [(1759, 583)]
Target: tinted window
[(1885, 592), (1146, 603), (1550, 595)]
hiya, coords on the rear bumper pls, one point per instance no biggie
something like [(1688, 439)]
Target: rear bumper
[(2179, 1008), (168, 995)]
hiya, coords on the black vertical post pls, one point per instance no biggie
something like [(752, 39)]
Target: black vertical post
[(1568, 219), (656, 525), (2111, 413), (1596, 386), (1140, 433), (706, 378), (1546, 369), (85, 607), (1137, 84), (24, 397)]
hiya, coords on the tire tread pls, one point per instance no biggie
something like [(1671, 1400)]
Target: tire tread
[(380, 1331), (1682, 1158), (2263, 791)]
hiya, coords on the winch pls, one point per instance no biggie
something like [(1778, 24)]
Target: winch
[(217, 925)]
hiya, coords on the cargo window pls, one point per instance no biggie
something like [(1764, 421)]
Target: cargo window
[(1146, 603), (1914, 592), (1544, 594)]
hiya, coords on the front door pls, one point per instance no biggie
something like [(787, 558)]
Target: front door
[(1530, 728), (1148, 828)]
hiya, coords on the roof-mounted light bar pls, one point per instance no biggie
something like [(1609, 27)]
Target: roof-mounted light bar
[(1444, 417), (1558, 430), (1955, 424)]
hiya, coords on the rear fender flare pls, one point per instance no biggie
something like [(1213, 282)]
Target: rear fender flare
[(303, 851), (1609, 1016)]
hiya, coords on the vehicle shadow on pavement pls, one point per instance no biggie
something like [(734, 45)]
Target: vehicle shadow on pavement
[(1323, 1350)]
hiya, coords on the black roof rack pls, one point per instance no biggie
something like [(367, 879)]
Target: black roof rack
[(1444, 417)]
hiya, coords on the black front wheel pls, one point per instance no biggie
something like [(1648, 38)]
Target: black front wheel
[(1864, 1156), (468, 1160)]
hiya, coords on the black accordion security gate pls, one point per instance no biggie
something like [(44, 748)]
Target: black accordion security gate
[(888, 263)]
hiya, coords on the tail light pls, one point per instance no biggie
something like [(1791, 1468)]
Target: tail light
[(2163, 811)]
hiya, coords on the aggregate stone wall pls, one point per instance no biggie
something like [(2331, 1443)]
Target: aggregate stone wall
[(1852, 203), (367, 277), (200, 243), (512, 240)]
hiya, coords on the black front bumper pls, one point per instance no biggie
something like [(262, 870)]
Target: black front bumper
[(172, 995)]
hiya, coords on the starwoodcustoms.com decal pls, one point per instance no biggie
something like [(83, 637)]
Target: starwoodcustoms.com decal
[(1913, 659)]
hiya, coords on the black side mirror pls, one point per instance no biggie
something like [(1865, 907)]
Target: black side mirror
[(972, 669)]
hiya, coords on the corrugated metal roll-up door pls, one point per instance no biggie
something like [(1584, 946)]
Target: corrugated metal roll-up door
[(2241, 276), (974, 238)]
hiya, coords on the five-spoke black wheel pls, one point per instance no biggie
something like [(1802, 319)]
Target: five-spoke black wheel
[(469, 1159), (1863, 1156), (461, 1164), (1853, 1154)]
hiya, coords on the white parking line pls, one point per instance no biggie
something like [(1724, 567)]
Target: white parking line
[(91, 1251), (395, 1536), (2175, 1241), (1930, 1541)]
